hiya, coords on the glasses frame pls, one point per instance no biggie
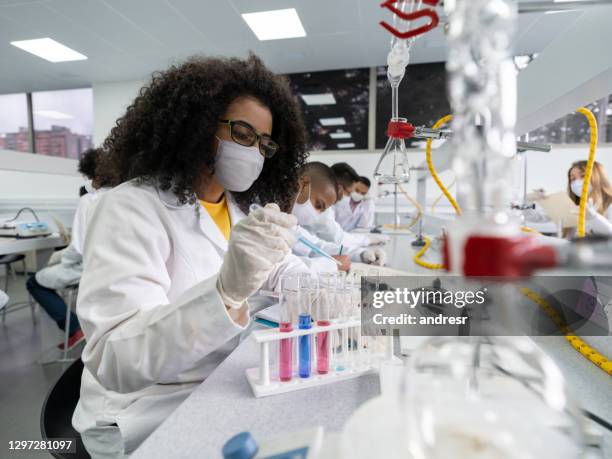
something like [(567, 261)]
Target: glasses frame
[(258, 137)]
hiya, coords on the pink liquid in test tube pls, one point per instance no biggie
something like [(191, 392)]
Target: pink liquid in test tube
[(322, 349), (285, 354)]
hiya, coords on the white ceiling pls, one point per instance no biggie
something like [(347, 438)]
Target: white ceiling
[(128, 39)]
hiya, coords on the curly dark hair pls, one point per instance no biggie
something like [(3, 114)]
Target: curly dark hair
[(87, 163), (166, 136)]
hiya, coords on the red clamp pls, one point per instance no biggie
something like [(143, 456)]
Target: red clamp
[(426, 12), (512, 257), (400, 130)]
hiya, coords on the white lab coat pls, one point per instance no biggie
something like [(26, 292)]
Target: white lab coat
[(319, 263), (598, 224), (327, 228), (360, 217), (68, 271), (154, 323)]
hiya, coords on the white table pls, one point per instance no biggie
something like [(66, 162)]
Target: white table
[(224, 405), (43, 246)]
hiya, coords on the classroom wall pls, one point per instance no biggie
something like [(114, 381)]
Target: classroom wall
[(110, 101), (48, 185)]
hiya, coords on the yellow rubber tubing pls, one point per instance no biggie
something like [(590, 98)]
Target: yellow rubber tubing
[(592, 354), (589, 169)]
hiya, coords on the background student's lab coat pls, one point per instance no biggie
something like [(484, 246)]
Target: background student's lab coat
[(154, 323), (327, 228), (318, 262), (361, 217), (70, 267)]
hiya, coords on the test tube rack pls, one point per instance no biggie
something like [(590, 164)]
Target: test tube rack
[(360, 361)]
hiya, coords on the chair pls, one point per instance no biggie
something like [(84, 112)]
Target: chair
[(70, 295), (56, 414), (7, 261)]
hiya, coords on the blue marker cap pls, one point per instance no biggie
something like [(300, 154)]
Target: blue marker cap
[(240, 446)]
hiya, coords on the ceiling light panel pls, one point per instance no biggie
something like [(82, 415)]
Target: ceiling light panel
[(275, 24), (49, 49), (319, 99)]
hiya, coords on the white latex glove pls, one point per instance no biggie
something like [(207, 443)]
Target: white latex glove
[(595, 222), (374, 257), (257, 243), (377, 239)]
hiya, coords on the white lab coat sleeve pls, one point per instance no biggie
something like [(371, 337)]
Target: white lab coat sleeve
[(366, 219), (320, 264), (290, 266), (135, 336), (79, 221), (599, 224)]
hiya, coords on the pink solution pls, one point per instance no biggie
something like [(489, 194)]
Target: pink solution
[(285, 354), (322, 349)]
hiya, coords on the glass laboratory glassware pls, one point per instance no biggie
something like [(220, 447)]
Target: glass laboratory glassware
[(491, 397), (322, 306), (306, 294), (287, 304), (393, 166)]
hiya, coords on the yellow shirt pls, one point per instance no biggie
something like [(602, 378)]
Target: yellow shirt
[(219, 212)]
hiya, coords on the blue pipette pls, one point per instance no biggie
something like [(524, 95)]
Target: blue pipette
[(303, 240)]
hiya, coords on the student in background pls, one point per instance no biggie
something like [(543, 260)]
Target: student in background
[(356, 211), (598, 211), (44, 285), (317, 194), (326, 227)]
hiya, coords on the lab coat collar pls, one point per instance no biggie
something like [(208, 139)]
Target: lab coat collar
[(207, 225)]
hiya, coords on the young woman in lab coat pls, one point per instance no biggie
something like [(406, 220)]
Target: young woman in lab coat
[(598, 211), (163, 297)]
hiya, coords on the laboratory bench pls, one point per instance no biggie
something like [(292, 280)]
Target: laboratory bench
[(224, 405), (42, 246)]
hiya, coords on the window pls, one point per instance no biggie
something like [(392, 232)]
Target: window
[(14, 132), (574, 127), (335, 107), (422, 99), (63, 122)]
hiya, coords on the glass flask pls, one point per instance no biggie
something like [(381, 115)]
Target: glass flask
[(393, 166), (489, 397)]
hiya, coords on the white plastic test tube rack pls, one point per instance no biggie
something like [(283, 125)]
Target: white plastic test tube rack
[(364, 359)]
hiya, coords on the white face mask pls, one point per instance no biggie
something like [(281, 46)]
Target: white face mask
[(576, 187), (357, 197), (236, 166), (305, 213)]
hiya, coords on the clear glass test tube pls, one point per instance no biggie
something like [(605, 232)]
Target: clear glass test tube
[(322, 305), (305, 323), (287, 299)]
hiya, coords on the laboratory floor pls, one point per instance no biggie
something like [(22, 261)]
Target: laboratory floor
[(24, 382)]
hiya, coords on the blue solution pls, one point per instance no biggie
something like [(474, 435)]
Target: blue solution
[(304, 323)]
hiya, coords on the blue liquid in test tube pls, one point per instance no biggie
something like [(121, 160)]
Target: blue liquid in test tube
[(304, 346)]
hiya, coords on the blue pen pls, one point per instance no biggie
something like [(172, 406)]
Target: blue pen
[(303, 240)]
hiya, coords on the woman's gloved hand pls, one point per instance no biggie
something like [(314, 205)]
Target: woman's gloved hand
[(596, 223), (377, 239), (257, 243), (374, 257)]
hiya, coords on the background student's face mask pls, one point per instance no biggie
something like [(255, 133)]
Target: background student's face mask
[(305, 213), (576, 187), (357, 197), (236, 166)]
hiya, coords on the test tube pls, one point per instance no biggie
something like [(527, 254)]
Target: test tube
[(304, 323), (288, 296), (322, 316)]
